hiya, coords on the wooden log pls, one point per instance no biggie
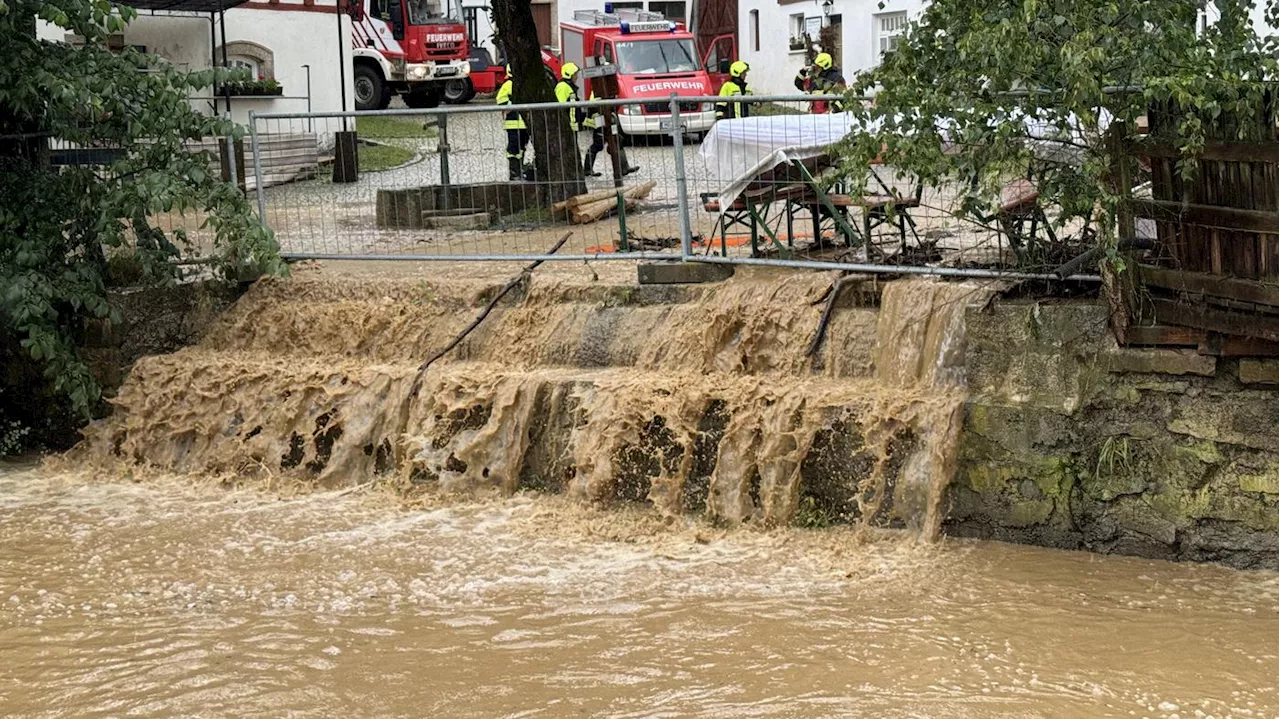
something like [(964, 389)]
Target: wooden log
[(639, 192), (597, 210), (576, 202), (593, 211), (635, 192), (579, 200)]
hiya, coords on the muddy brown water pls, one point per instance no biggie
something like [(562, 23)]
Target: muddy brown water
[(304, 593), (176, 598)]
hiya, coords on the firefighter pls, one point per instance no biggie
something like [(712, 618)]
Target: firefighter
[(822, 79), (584, 118), (595, 120), (735, 85), (567, 91), (517, 131)]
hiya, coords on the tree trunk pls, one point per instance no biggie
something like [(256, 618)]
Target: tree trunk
[(556, 159)]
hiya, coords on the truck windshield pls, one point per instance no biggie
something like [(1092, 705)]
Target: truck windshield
[(434, 12), (651, 57)]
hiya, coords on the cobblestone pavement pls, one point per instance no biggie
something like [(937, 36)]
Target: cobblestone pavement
[(320, 216)]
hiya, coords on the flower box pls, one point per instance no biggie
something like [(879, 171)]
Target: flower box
[(261, 88)]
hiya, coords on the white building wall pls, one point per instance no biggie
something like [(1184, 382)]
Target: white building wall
[(774, 65), (294, 37), (484, 26), (297, 38)]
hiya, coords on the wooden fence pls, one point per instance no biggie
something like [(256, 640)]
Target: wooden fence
[(1211, 282)]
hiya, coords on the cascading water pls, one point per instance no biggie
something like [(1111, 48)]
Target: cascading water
[(172, 597), (698, 399)]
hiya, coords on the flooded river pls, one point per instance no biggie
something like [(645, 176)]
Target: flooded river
[(168, 598)]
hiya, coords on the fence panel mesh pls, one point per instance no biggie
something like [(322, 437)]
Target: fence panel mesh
[(456, 183)]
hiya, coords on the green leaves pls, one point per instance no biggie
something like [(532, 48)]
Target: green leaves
[(58, 225), (972, 74)]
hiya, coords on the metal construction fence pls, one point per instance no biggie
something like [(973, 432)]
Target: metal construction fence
[(653, 179)]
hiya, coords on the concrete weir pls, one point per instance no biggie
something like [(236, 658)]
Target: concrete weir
[(928, 407)]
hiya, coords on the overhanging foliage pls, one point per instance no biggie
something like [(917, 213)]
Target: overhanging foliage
[(59, 225), (979, 91)]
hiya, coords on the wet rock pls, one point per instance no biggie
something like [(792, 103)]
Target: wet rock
[(682, 273), (1122, 460), (1158, 361), (1259, 371)]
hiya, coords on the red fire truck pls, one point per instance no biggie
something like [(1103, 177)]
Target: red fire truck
[(410, 47), (654, 58)]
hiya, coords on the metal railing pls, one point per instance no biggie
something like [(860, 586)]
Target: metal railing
[(438, 184)]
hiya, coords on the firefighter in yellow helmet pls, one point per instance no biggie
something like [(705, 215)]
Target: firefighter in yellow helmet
[(735, 85), (567, 91), (822, 78), (584, 118), (517, 131)]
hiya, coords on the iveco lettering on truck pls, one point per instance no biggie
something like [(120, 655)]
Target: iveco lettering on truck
[(654, 58), (410, 47)]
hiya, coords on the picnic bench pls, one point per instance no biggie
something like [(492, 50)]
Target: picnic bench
[(1020, 216), (777, 195), (800, 195)]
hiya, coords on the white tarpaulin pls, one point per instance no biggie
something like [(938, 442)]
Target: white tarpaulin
[(736, 151)]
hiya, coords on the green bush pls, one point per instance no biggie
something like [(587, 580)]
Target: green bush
[(60, 225)]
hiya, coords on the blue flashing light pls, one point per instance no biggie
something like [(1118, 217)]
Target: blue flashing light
[(608, 7), (673, 28), (626, 28)]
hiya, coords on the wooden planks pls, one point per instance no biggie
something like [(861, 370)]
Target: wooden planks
[(1206, 342), (1164, 336), (1210, 216), (1216, 285), (1260, 326), (1213, 150), (1222, 217)]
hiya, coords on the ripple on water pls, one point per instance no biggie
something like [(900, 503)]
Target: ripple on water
[(177, 599)]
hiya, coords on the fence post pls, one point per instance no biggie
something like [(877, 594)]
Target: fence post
[(442, 125), (682, 196), (260, 187)]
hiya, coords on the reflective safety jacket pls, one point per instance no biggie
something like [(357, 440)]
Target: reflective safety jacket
[(727, 109), (566, 91), (511, 120), (828, 82)]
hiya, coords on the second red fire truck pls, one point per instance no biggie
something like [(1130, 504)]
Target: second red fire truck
[(408, 47), (654, 58)]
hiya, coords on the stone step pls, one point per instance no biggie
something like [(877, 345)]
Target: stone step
[(738, 448), (468, 219), (739, 327)]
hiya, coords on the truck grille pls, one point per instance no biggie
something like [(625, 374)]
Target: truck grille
[(443, 50), (664, 108)]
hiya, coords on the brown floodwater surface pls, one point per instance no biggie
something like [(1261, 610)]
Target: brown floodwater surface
[(174, 598)]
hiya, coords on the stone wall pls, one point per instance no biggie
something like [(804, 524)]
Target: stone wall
[(1073, 442), (153, 321), (405, 209)]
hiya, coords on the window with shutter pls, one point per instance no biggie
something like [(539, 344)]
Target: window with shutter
[(889, 29)]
